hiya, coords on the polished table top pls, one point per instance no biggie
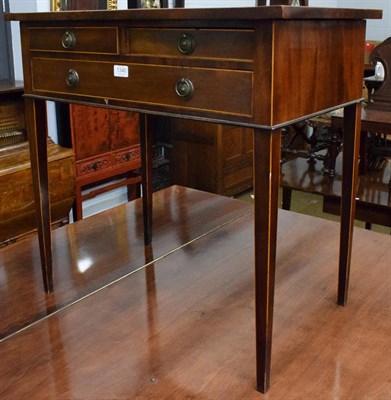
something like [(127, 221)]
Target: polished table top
[(216, 14)]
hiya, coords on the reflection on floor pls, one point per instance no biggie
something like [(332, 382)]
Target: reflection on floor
[(182, 327)]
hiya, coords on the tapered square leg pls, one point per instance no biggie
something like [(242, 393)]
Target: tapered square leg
[(267, 152), (351, 148), (37, 133)]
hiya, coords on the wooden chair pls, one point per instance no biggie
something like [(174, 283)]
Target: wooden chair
[(376, 115), (381, 99)]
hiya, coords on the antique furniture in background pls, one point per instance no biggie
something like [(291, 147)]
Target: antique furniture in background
[(313, 140), (17, 210), (146, 61), (12, 120), (373, 197), (216, 158), (107, 146), (376, 116), (381, 99)]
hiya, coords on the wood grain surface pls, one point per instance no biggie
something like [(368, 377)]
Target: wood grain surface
[(183, 327), (100, 249), (273, 28)]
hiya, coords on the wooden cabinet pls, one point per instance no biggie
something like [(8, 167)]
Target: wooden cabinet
[(107, 146), (212, 157)]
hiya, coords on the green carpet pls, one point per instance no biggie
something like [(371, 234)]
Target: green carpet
[(311, 204)]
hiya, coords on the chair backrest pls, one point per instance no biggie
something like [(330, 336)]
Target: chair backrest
[(381, 99)]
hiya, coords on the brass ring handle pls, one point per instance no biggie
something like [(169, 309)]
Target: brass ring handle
[(184, 88), (72, 78), (68, 40), (186, 44)]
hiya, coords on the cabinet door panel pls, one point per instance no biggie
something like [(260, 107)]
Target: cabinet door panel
[(124, 128), (90, 131)]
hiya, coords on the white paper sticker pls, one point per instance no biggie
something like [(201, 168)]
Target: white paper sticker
[(121, 71)]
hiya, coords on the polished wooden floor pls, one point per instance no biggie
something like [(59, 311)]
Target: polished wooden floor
[(119, 326)]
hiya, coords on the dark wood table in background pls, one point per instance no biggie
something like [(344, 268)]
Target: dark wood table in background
[(242, 66), (372, 120), (373, 196)]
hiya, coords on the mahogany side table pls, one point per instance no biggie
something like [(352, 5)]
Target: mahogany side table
[(240, 66)]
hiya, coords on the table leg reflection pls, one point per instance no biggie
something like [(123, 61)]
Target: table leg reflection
[(146, 132)]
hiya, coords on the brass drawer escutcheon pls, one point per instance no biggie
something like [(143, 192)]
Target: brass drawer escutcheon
[(186, 44), (68, 40), (72, 78), (184, 88)]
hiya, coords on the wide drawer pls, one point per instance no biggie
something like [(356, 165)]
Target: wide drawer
[(224, 44), (215, 90), (103, 40)]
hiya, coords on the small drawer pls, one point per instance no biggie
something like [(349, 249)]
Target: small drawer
[(132, 155), (170, 87), (225, 44), (102, 40), (93, 165)]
